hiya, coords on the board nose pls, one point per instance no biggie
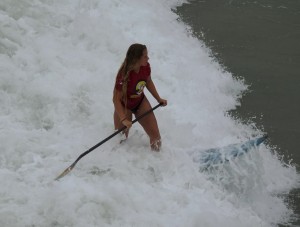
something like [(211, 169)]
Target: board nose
[(261, 139)]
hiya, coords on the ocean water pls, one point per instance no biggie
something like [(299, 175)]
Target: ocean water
[(57, 70), (258, 41)]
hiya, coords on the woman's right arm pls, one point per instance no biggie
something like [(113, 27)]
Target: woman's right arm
[(120, 109), (117, 100)]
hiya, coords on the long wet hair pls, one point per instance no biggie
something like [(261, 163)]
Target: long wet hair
[(134, 53)]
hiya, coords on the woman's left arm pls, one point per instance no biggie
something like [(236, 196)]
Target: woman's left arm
[(152, 89)]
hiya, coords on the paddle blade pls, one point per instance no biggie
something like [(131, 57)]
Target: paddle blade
[(64, 173)]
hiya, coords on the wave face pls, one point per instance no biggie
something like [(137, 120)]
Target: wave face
[(57, 71)]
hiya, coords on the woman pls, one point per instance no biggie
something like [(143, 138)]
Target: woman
[(129, 98)]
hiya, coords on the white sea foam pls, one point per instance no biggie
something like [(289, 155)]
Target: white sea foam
[(57, 69)]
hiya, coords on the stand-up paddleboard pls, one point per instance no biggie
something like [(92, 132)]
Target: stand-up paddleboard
[(216, 156)]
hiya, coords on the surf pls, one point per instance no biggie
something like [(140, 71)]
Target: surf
[(58, 65)]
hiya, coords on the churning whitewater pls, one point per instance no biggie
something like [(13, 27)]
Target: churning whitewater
[(58, 65)]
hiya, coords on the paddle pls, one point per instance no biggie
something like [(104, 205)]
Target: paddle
[(64, 173)]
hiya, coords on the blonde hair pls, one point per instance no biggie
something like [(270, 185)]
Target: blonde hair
[(134, 53)]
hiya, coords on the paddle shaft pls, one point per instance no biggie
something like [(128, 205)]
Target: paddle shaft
[(115, 133), (103, 141)]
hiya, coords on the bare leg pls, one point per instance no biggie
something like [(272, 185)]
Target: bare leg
[(149, 124)]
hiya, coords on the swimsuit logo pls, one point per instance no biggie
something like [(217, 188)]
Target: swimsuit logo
[(140, 87)]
